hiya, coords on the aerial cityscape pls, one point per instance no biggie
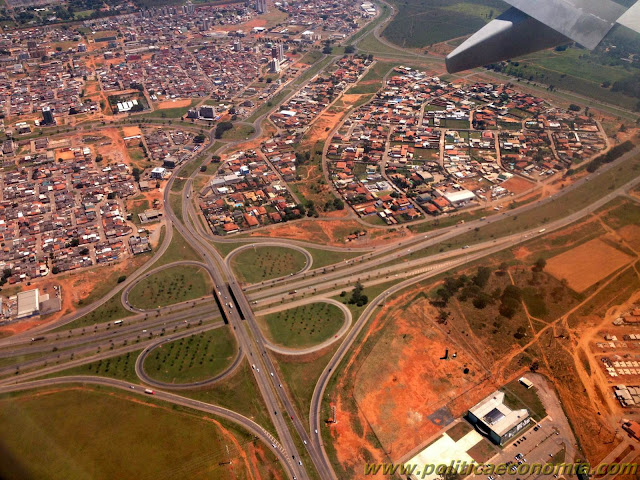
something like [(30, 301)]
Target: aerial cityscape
[(311, 239)]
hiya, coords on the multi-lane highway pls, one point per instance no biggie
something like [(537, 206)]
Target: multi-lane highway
[(148, 329)]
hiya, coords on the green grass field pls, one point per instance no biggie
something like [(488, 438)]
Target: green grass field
[(178, 250), (238, 132), (301, 373), (303, 326), (372, 81), (519, 396), (419, 23), (192, 359), (172, 285), (96, 433), (263, 263)]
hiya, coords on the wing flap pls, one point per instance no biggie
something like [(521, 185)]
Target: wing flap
[(631, 18), (584, 21)]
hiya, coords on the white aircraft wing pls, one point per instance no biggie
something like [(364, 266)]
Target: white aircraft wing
[(631, 18), (532, 25), (584, 21)]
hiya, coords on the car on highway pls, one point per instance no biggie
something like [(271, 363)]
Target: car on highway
[(272, 374), (131, 386)]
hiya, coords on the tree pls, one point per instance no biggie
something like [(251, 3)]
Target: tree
[(223, 127), (99, 158), (574, 108), (482, 277), (539, 265), (200, 138), (349, 49), (357, 297)]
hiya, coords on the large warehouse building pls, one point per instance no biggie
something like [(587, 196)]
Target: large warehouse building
[(494, 419)]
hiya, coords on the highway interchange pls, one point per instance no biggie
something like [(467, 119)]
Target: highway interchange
[(147, 329)]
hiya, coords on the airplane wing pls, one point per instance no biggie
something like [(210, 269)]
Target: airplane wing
[(583, 21), (532, 25), (631, 18)]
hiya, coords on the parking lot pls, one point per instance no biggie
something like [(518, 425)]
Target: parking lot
[(537, 445)]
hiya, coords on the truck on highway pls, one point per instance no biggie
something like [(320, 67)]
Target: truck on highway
[(293, 292), (35, 339), (148, 391), (118, 322), (542, 230)]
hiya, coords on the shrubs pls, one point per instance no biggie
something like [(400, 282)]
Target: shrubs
[(613, 154)]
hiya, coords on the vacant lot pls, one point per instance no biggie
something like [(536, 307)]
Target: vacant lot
[(169, 286), (405, 388), (81, 433), (192, 359), (303, 326), (587, 264), (263, 263)]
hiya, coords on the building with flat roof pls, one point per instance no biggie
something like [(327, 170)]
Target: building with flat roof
[(494, 419), (28, 303)]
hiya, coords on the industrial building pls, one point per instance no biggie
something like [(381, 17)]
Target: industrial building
[(497, 421), (28, 304)]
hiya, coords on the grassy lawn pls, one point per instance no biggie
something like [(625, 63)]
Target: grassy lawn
[(482, 451), (192, 359), (138, 159), (303, 326), (238, 132), (311, 57), (263, 263), (179, 249), (372, 81), (459, 430), (301, 373), (518, 396), (97, 433), (239, 393), (173, 285), (323, 258)]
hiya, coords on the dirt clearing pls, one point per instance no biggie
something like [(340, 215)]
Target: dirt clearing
[(173, 104), (587, 264)]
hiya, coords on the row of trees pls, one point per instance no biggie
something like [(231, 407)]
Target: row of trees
[(613, 154)]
